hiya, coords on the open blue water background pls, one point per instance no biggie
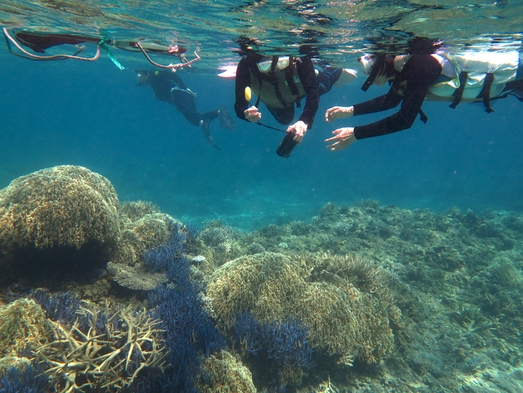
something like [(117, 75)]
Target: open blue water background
[(94, 115)]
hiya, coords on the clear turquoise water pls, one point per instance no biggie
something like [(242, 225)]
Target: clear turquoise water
[(93, 114)]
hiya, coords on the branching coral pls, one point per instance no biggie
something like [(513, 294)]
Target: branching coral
[(280, 350), (105, 354)]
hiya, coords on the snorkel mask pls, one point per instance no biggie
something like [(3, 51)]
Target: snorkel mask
[(372, 64), (276, 64)]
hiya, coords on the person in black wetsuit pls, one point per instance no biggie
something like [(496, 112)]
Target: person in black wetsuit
[(412, 76), (409, 87), (280, 82), (169, 87)]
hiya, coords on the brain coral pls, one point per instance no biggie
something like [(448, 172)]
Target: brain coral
[(343, 301), (59, 207)]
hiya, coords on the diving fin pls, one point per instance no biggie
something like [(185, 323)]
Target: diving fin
[(207, 132), (225, 118)]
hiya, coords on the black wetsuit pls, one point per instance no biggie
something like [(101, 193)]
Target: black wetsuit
[(410, 86), (306, 73), (169, 87)]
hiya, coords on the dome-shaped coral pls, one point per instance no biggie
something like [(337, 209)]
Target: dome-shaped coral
[(60, 206), (64, 207), (342, 301)]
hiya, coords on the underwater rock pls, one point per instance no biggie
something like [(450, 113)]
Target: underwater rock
[(55, 216)]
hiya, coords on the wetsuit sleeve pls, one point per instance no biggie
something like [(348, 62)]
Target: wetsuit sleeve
[(310, 85), (243, 78), (411, 86)]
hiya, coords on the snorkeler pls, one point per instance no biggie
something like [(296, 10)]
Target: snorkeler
[(425, 73), (169, 87), (280, 82), (39, 42)]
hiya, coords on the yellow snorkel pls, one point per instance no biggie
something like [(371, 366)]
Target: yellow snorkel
[(248, 94)]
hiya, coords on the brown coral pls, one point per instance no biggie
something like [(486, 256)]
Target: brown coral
[(22, 324), (107, 359), (221, 372), (343, 301), (64, 206), (140, 233)]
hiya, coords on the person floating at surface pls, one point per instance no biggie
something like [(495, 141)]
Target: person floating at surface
[(425, 73), (280, 82), (169, 87)]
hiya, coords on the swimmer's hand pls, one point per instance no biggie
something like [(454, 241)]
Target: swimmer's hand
[(298, 129), (252, 114), (338, 112), (343, 138)]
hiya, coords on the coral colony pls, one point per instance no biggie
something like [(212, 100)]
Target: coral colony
[(345, 302)]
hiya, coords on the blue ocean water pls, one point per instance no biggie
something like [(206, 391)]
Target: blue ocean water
[(93, 114)]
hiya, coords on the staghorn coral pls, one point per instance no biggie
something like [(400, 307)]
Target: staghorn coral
[(347, 310), (65, 206), (102, 350)]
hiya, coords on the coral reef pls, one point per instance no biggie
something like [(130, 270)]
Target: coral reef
[(56, 214), (134, 210), (65, 206), (104, 350), (22, 377), (141, 239), (296, 307), (222, 372), (346, 309), (220, 243), (22, 326), (60, 307), (278, 352), (189, 331)]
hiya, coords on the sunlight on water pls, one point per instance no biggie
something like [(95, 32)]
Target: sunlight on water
[(338, 28)]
